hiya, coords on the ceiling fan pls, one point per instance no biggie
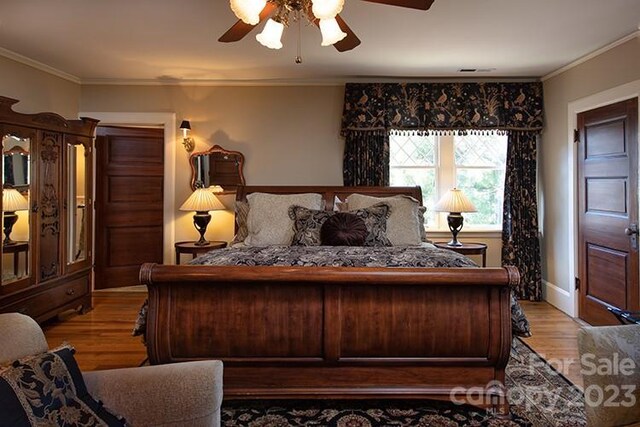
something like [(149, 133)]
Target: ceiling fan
[(281, 13)]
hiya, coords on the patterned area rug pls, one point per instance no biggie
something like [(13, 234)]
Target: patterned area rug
[(539, 396)]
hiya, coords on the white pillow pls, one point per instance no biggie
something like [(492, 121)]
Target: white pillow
[(268, 219), (403, 225)]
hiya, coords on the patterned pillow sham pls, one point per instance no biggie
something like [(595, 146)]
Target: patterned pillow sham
[(308, 222), (242, 229), (423, 232), (48, 389)]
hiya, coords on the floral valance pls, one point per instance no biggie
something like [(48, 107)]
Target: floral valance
[(424, 107)]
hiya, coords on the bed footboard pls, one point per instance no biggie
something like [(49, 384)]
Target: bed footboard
[(332, 332)]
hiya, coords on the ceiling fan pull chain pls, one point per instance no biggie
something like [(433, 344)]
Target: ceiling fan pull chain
[(299, 55)]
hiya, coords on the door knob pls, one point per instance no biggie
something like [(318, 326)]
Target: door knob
[(633, 229)]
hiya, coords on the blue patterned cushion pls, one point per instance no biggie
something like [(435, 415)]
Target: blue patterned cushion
[(48, 390)]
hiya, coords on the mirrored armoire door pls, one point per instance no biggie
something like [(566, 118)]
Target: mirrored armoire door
[(17, 193)]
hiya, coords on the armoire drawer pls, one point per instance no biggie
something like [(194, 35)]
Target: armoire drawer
[(49, 300)]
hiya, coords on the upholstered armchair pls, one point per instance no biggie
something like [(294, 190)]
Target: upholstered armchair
[(610, 358), (181, 394)]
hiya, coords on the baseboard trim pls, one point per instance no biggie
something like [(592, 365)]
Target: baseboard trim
[(558, 297)]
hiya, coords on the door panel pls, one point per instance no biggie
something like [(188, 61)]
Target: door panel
[(129, 203), (608, 189)]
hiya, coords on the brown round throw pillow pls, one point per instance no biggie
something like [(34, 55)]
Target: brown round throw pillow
[(343, 229)]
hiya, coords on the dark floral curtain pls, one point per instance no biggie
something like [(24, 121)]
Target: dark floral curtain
[(373, 110), (520, 243), (366, 159)]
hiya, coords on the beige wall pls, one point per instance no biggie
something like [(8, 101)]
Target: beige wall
[(288, 134), (37, 90), (613, 68)]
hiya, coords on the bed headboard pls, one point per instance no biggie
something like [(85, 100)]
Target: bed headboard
[(329, 192)]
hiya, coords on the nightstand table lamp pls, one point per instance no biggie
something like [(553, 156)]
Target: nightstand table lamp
[(12, 201), (202, 201), (454, 202)]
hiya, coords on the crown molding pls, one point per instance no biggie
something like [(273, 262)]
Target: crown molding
[(591, 55), (298, 82), (301, 82), (39, 65)]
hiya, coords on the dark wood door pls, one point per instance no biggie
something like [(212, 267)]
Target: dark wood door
[(129, 203), (608, 188)]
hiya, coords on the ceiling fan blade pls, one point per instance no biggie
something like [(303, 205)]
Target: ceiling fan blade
[(350, 42), (413, 4), (240, 29)]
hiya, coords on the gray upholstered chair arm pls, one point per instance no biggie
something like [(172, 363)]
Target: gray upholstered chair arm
[(181, 394), (619, 347), (20, 336)]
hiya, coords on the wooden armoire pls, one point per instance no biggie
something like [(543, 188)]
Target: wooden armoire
[(47, 206)]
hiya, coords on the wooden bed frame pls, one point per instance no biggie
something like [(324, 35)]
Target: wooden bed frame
[(337, 332)]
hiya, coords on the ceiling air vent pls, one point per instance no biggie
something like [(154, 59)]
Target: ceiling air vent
[(476, 70)]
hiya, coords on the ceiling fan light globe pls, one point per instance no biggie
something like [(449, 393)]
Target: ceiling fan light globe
[(331, 32), (271, 35), (248, 10), (326, 9)]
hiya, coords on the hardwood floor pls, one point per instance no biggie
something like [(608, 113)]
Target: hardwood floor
[(103, 338), (554, 337)]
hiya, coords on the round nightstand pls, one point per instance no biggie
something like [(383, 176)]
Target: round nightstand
[(195, 250), (467, 249)]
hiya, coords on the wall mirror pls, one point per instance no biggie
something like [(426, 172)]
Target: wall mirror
[(77, 203), (217, 166), (16, 180)]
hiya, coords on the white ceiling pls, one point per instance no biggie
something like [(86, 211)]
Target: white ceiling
[(163, 40)]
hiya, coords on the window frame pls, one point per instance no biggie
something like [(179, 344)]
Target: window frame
[(445, 179)]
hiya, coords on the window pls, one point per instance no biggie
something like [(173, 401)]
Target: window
[(473, 163)]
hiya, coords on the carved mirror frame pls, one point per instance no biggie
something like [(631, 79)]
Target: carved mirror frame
[(214, 150)]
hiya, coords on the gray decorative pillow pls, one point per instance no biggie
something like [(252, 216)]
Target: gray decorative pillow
[(403, 227), (308, 222), (242, 229), (268, 219)]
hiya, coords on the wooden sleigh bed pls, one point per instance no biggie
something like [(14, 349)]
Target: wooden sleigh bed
[(337, 332)]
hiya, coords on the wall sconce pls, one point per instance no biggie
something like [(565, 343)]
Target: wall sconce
[(188, 142)]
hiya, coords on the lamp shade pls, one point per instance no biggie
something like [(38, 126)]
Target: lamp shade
[(271, 34), (454, 201), (331, 32), (13, 201), (248, 10), (326, 9), (185, 125), (202, 200)]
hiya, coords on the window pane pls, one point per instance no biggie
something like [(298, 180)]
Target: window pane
[(412, 150), (480, 150), (425, 178), (484, 187)]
